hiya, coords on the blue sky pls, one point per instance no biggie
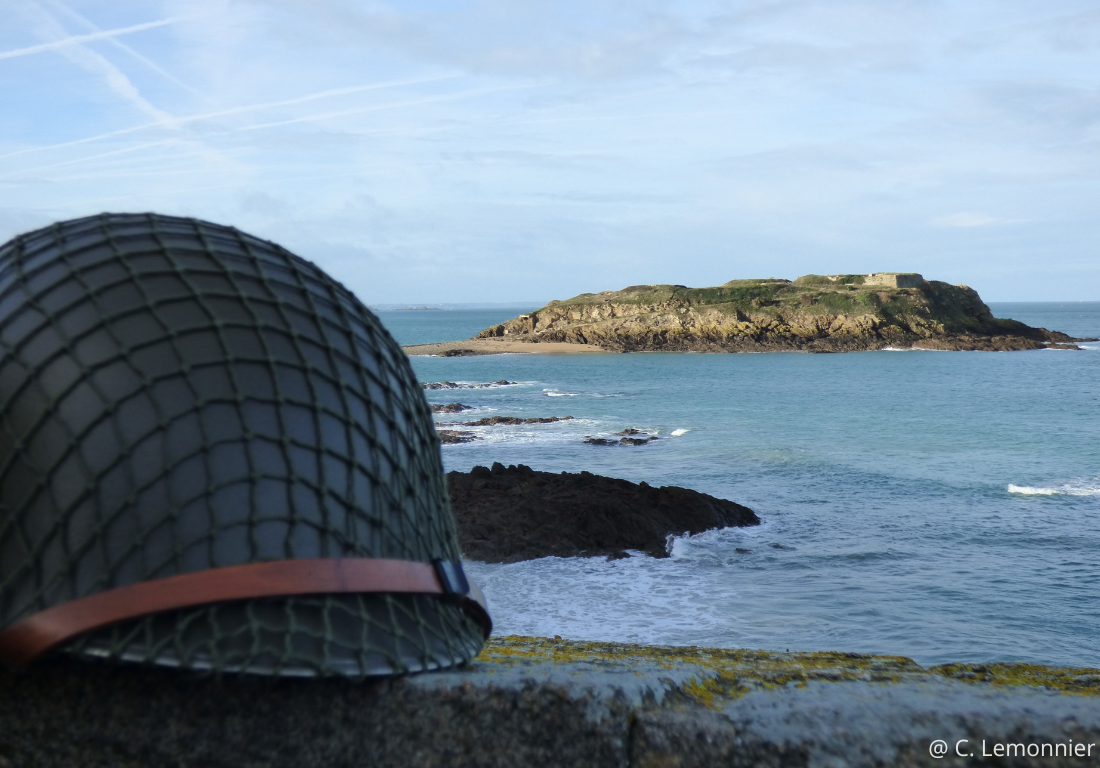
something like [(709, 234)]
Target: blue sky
[(501, 150)]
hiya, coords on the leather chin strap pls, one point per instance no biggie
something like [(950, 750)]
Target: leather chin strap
[(27, 639)]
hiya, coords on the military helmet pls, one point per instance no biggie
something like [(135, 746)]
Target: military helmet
[(213, 456)]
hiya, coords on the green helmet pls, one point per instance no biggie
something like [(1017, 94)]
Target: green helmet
[(213, 456)]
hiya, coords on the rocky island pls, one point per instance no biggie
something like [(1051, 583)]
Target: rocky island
[(815, 313)]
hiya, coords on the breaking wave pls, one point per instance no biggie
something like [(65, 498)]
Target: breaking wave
[(1081, 488), (911, 349)]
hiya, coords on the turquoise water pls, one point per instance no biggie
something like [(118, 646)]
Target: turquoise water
[(938, 505), (429, 326)]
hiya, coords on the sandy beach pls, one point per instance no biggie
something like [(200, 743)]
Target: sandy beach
[(501, 347)]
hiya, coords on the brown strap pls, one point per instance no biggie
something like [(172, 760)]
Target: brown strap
[(46, 629)]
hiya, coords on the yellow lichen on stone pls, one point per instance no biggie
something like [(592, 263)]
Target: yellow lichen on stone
[(703, 691), (1082, 681), (735, 672)]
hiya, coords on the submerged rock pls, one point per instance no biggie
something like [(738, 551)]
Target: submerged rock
[(507, 514), (622, 440)]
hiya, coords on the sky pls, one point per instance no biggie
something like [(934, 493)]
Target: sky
[(501, 150)]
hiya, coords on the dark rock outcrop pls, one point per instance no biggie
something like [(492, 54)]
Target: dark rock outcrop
[(621, 440), (493, 421), (815, 313), (450, 408), (507, 514), (452, 436), (453, 385)]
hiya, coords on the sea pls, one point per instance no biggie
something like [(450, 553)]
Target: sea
[(943, 506)]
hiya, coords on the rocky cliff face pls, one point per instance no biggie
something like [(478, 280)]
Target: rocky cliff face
[(813, 313)]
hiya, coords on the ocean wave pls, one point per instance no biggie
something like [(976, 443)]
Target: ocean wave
[(1079, 488), (559, 393), (561, 432), (523, 438), (678, 432)]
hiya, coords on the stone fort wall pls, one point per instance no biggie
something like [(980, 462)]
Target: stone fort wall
[(894, 279)]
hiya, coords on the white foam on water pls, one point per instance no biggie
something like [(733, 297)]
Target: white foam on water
[(1072, 488), (911, 349), (1029, 491), (475, 385), (559, 393), (637, 599), (567, 431), (678, 432)]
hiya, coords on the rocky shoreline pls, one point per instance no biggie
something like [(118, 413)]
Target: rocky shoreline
[(508, 514), (815, 313)]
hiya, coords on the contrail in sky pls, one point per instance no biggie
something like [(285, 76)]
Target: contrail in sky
[(382, 107), (234, 185), (307, 118), (239, 110), (123, 151), (77, 39), (57, 5)]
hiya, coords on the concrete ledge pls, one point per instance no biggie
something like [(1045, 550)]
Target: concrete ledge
[(540, 702)]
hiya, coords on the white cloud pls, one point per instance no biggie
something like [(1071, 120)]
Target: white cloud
[(468, 146)]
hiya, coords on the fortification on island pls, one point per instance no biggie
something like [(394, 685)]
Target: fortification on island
[(894, 279), (885, 279)]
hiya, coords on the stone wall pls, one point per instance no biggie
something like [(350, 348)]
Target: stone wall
[(541, 702), (894, 279)]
